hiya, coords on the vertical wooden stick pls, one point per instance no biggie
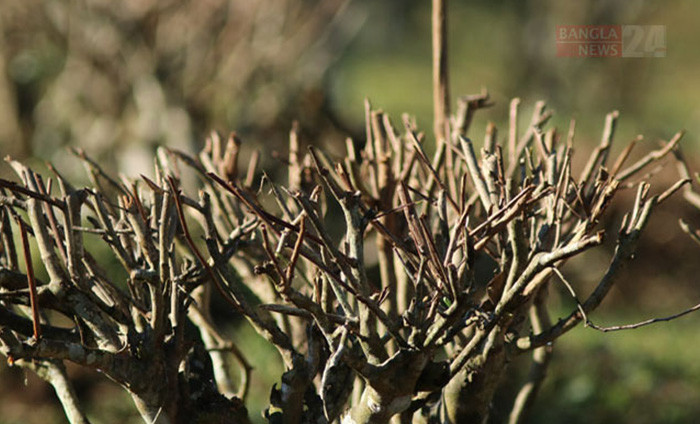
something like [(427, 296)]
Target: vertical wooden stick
[(441, 84)]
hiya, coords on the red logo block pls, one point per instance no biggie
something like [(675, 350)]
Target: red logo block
[(611, 40), (589, 40)]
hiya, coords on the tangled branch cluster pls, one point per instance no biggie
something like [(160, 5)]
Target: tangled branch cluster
[(392, 283)]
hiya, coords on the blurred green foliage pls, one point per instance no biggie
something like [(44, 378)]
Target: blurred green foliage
[(509, 47), (642, 376)]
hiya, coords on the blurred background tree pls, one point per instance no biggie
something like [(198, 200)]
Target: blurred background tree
[(123, 77), (119, 78)]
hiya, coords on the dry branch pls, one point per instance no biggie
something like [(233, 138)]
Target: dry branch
[(466, 241)]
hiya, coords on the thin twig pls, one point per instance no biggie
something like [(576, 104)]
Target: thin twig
[(195, 251), (642, 323), (31, 282)]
